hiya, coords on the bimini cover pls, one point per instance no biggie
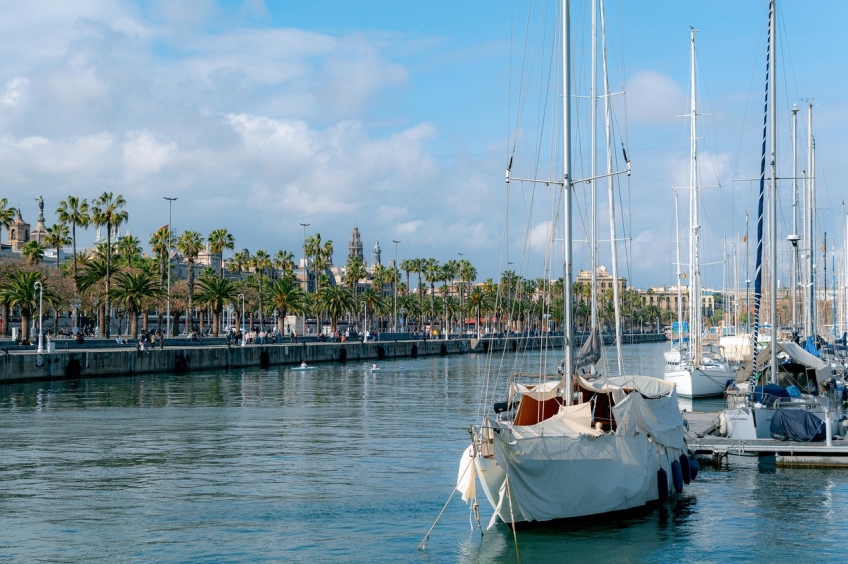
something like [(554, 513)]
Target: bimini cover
[(659, 417), (797, 425), (540, 392), (646, 385)]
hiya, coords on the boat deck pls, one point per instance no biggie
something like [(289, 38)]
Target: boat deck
[(707, 446)]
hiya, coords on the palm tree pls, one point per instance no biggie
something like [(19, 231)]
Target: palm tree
[(7, 216), (240, 262), (261, 261), (107, 211), (215, 293), (219, 240), (160, 245), (128, 251), (407, 265), (33, 252), (336, 302), (284, 260), (135, 292), (74, 211), (479, 301), (57, 237), (286, 296), (354, 272), (18, 290), (190, 244), (311, 250), (432, 274)]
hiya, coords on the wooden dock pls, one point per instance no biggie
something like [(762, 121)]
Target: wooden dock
[(706, 446)]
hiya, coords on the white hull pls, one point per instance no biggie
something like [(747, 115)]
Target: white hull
[(700, 382), (751, 422)]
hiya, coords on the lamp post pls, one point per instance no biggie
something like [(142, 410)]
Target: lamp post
[(243, 332), (275, 319), (365, 326), (40, 316), (305, 274), (394, 283), (461, 287), (170, 238)]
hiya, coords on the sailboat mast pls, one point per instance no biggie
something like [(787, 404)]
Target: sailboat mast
[(611, 189), (694, 280), (773, 197), (810, 325), (758, 268), (593, 223), (679, 279), (793, 279), (567, 201)]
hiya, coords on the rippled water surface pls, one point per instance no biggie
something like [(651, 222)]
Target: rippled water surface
[(339, 464)]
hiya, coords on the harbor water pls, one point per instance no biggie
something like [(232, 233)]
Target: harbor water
[(340, 463)]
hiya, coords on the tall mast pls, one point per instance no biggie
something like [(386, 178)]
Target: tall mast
[(758, 268), (811, 230), (773, 197), (568, 189), (793, 238), (611, 189), (593, 224), (694, 222), (679, 279)]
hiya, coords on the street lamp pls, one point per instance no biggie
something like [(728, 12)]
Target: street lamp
[(394, 277), (170, 239), (365, 326), (243, 332), (305, 274), (40, 316)]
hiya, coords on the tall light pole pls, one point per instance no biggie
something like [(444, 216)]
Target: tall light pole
[(40, 316), (243, 332), (394, 283), (365, 326), (461, 284), (170, 239)]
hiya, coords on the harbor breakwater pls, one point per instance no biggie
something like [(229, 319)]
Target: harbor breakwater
[(70, 363)]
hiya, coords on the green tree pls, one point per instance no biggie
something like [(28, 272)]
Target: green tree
[(189, 245), (219, 240), (57, 237), (286, 296), (354, 272), (335, 302), (215, 293), (33, 252), (18, 290), (261, 262), (7, 216), (240, 262), (136, 292), (108, 211)]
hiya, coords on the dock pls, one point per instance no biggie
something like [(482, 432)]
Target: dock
[(707, 446)]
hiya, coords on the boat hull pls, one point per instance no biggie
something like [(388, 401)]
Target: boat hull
[(700, 382)]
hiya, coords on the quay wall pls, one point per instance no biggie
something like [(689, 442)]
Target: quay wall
[(69, 363)]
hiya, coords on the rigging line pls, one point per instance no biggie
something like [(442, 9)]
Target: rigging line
[(520, 103)]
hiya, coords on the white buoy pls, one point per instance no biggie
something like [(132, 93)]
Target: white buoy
[(827, 429)]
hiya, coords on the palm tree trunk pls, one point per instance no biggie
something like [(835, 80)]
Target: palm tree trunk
[(215, 322), (190, 295), (144, 320), (101, 319), (4, 315), (133, 324), (24, 326)]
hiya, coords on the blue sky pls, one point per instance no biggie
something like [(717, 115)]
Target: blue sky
[(391, 115)]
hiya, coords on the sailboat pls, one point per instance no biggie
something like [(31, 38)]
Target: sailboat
[(570, 445), (795, 398), (696, 372)]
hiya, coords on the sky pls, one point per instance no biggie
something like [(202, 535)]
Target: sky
[(398, 117)]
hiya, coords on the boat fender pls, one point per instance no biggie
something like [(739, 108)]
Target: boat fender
[(722, 424), (662, 485), (694, 467), (676, 476), (684, 469)]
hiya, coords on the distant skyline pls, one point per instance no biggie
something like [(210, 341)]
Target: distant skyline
[(393, 116)]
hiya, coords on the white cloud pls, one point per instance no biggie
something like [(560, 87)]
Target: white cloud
[(143, 154), (14, 92), (653, 97)]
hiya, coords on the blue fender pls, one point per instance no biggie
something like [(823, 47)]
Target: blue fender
[(662, 484), (694, 467), (677, 476), (684, 469)]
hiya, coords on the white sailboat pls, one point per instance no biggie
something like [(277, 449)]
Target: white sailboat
[(799, 387), (697, 372), (567, 446)]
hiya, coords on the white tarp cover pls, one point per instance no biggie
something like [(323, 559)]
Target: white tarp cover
[(796, 353), (646, 385), (466, 482), (658, 417), (554, 477), (571, 421), (538, 392)]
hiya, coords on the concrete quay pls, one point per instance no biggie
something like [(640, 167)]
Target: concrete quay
[(182, 356)]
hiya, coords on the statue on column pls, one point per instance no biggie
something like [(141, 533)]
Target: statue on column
[(40, 201)]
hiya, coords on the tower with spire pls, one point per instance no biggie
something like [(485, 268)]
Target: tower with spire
[(354, 248), (377, 253)]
